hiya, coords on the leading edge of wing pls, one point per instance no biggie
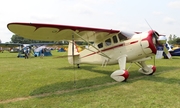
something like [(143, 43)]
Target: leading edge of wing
[(54, 32)]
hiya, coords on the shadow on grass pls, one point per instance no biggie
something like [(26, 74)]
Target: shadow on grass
[(90, 68), (155, 78), (75, 84), (162, 79), (102, 82), (69, 85), (161, 70)]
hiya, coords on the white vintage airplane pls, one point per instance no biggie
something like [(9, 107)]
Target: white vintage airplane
[(110, 46)]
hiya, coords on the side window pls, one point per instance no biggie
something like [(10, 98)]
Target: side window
[(115, 40), (100, 45), (121, 37), (108, 42)]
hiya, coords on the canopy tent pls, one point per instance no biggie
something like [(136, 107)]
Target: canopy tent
[(38, 51), (61, 50)]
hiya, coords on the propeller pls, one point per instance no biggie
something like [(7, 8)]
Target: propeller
[(161, 40)]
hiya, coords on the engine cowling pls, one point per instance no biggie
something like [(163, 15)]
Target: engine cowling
[(149, 41)]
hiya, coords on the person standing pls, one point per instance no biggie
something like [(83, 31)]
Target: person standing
[(42, 53), (25, 53)]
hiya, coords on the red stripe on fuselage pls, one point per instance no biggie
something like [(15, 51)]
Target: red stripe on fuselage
[(107, 49), (133, 42)]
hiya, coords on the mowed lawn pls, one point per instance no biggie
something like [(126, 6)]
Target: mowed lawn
[(51, 82)]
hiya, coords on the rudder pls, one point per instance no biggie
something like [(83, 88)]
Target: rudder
[(73, 53)]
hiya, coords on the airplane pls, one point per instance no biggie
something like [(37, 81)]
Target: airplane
[(174, 51), (109, 47), (19, 48), (11, 47)]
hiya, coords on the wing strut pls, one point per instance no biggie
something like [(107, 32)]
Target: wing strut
[(73, 59), (102, 54)]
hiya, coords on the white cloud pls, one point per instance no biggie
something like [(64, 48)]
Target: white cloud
[(169, 20), (113, 14), (174, 4), (81, 9), (157, 13)]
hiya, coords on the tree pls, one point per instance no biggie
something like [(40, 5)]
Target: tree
[(174, 39), (178, 41), (170, 38)]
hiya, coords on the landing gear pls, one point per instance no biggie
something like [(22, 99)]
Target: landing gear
[(120, 75), (78, 66), (146, 69)]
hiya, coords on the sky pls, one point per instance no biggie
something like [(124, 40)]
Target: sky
[(124, 15)]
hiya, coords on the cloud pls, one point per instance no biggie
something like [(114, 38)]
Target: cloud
[(169, 20), (174, 4), (81, 9), (157, 13)]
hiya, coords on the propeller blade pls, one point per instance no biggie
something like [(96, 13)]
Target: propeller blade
[(166, 52), (162, 41)]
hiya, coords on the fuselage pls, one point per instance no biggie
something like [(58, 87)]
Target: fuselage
[(139, 46)]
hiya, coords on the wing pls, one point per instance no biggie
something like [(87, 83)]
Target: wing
[(52, 32), (9, 45)]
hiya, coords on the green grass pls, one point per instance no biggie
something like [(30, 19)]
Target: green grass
[(52, 82)]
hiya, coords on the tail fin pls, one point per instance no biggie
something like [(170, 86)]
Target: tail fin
[(73, 53)]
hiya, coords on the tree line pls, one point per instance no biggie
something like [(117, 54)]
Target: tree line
[(173, 39)]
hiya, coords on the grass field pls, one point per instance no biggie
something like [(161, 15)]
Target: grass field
[(52, 82)]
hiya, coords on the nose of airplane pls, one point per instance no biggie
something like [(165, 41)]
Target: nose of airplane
[(149, 42), (158, 39)]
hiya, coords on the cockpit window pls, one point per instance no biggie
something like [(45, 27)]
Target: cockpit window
[(122, 37), (115, 39), (100, 45), (108, 42)]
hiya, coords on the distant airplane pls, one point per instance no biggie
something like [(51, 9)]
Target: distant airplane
[(11, 47), (34, 48), (174, 51), (109, 47)]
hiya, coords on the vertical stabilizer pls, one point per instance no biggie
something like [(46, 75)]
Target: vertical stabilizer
[(73, 53)]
